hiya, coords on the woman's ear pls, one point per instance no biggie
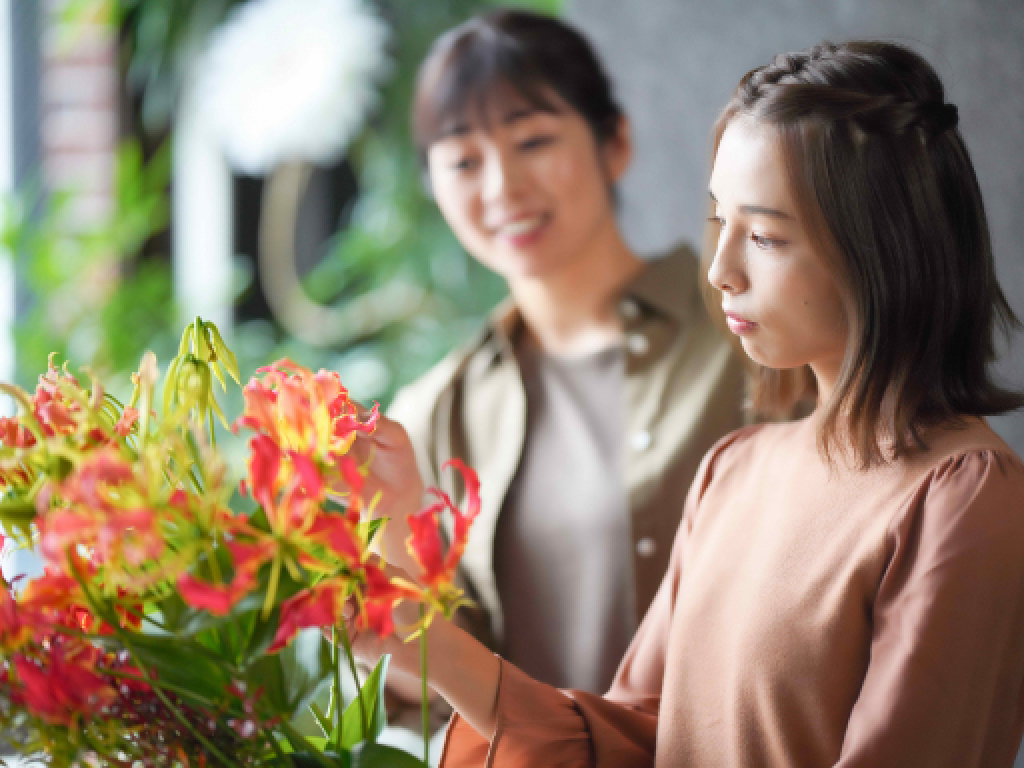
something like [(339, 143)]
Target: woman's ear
[(617, 151)]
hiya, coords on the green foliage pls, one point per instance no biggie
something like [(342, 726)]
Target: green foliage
[(83, 289), (370, 702), (91, 294)]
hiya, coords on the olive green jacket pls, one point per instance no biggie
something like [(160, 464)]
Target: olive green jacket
[(684, 383)]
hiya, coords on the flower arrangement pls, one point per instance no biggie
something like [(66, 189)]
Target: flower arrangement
[(183, 619)]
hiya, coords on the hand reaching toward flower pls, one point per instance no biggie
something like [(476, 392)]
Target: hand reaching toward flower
[(460, 668), (394, 480)]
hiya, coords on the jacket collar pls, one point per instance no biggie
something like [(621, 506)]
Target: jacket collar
[(667, 286)]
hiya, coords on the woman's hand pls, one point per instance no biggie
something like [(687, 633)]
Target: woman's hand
[(460, 668), (392, 464), (394, 475)]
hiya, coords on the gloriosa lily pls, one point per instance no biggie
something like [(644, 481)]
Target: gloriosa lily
[(150, 572)]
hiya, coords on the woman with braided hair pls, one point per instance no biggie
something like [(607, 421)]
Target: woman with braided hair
[(846, 590)]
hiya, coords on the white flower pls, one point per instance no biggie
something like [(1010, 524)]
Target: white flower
[(291, 80)]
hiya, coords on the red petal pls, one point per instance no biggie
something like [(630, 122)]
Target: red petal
[(264, 466), (424, 542), (317, 607), (309, 474)]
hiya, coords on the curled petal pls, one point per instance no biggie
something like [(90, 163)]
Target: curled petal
[(338, 533), (264, 467), (380, 595), (425, 542), (63, 688), (309, 476), (13, 434), (218, 599), (127, 422), (348, 423), (317, 607), (249, 556)]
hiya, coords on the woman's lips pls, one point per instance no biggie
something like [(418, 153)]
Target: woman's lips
[(739, 324), (524, 231)]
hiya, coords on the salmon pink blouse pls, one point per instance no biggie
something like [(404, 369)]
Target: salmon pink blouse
[(811, 616)]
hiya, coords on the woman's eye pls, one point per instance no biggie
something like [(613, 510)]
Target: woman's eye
[(717, 220), (536, 142), (765, 242), (465, 164)]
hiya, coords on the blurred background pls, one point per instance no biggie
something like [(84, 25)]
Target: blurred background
[(250, 161)]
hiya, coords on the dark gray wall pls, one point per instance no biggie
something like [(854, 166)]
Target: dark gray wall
[(675, 63)]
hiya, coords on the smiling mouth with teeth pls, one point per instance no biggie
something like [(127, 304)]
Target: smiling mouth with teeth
[(523, 226)]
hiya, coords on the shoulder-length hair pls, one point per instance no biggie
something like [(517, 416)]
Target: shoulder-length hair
[(885, 184)]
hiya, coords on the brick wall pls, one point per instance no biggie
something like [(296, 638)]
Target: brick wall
[(79, 105)]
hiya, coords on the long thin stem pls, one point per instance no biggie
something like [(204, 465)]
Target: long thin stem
[(347, 643), (423, 690), (336, 702), (282, 758), (185, 721)]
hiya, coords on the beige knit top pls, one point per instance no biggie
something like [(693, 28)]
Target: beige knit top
[(811, 616)]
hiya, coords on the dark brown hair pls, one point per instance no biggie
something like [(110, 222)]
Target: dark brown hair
[(886, 187), (510, 53)]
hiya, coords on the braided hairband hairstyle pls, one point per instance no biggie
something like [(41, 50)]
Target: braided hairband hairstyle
[(808, 84), (884, 184)]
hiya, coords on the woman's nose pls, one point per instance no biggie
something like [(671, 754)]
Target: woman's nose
[(728, 269), (501, 177)]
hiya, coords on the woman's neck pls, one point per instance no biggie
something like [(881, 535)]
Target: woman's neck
[(572, 312)]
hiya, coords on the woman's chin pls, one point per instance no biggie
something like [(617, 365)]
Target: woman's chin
[(768, 358)]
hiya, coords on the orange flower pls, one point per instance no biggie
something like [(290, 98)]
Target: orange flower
[(55, 412), (103, 506), (425, 542), (308, 417)]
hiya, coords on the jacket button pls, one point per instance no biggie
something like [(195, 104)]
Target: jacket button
[(638, 344), (640, 441), (646, 547)]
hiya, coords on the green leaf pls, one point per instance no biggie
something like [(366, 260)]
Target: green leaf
[(371, 528), (17, 512), (372, 695), (373, 755), (292, 678), (183, 664)]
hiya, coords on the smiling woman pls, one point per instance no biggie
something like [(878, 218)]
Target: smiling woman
[(589, 398)]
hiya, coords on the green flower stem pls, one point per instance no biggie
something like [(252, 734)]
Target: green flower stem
[(207, 744), (278, 752), (166, 686), (423, 689), (347, 643), (275, 575), (336, 707)]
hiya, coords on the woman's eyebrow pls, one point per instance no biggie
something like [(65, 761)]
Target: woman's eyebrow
[(758, 210)]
